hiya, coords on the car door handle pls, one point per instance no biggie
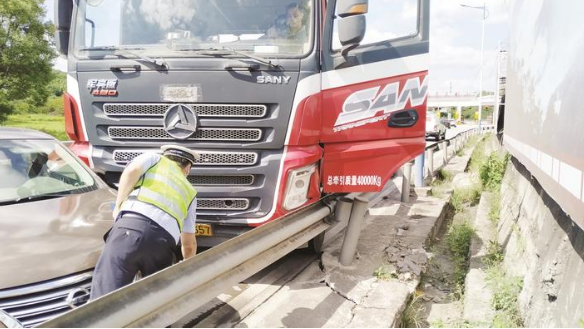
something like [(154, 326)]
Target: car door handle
[(403, 119), (123, 68), (237, 66)]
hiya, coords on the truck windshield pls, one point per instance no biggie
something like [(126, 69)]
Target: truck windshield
[(180, 28)]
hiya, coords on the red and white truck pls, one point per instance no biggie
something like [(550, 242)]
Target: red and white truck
[(285, 100)]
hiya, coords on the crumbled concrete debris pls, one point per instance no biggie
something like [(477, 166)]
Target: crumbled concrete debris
[(433, 294), (406, 260)]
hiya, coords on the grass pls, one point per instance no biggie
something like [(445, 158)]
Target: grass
[(492, 170), (412, 317), (458, 324), (443, 178), (478, 156), (463, 197), (383, 273), (494, 254), (495, 206), (506, 290), (443, 175), (458, 240), (52, 125)]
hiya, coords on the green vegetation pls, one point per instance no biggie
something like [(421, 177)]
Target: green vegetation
[(383, 273), (495, 206), (491, 172), (478, 156), (458, 324), (443, 175), (464, 197), (505, 289), (52, 125), (25, 55), (494, 254), (412, 315), (458, 240), (505, 293), (471, 112)]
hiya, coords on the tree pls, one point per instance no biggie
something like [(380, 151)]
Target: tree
[(25, 54)]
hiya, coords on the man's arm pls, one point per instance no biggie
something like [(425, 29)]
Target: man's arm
[(187, 237), (189, 245)]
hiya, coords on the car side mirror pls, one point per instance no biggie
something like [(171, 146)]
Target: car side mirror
[(63, 13), (351, 23)]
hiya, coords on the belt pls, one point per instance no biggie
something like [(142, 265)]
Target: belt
[(128, 217)]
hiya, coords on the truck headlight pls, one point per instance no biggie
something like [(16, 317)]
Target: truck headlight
[(297, 187)]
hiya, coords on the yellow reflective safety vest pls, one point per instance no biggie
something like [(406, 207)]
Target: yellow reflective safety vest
[(165, 186)]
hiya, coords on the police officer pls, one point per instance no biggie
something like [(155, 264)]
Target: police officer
[(155, 207)]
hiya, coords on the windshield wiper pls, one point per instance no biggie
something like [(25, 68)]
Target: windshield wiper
[(217, 52), (161, 64), (36, 198)]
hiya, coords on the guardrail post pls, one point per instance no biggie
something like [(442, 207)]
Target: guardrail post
[(430, 158), (455, 146), (419, 170), (445, 151), (353, 231), (407, 171), (343, 209)]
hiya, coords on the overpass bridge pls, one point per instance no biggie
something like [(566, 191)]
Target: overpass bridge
[(458, 101)]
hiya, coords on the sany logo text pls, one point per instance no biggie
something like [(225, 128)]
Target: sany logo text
[(362, 106)]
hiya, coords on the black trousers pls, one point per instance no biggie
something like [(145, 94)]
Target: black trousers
[(135, 243)]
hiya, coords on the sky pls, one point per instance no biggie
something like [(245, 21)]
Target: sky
[(455, 44)]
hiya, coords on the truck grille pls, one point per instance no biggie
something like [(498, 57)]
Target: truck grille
[(202, 134), (235, 180), (37, 303), (202, 110), (222, 204), (207, 158)]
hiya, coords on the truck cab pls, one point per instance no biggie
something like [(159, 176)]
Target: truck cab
[(284, 100)]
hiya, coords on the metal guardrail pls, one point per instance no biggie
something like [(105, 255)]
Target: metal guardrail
[(167, 296), (457, 141)]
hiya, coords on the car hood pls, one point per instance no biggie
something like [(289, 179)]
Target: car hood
[(42, 240)]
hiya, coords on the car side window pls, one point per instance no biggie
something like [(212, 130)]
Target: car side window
[(387, 20)]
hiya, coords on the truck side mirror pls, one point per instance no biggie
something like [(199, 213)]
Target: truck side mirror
[(351, 23), (63, 13)]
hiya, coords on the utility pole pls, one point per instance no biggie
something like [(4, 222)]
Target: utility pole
[(497, 86), (485, 15)]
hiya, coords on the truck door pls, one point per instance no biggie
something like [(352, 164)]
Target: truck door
[(374, 90)]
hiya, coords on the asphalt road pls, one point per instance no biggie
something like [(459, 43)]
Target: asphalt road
[(450, 133)]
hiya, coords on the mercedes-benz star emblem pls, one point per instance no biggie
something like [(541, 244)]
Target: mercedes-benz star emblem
[(77, 297), (180, 121)]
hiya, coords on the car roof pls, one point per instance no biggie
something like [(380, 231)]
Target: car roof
[(11, 133)]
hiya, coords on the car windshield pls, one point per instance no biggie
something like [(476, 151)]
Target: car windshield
[(34, 169), (180, 28)]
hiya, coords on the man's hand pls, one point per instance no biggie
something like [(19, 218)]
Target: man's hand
[(188, 245)]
